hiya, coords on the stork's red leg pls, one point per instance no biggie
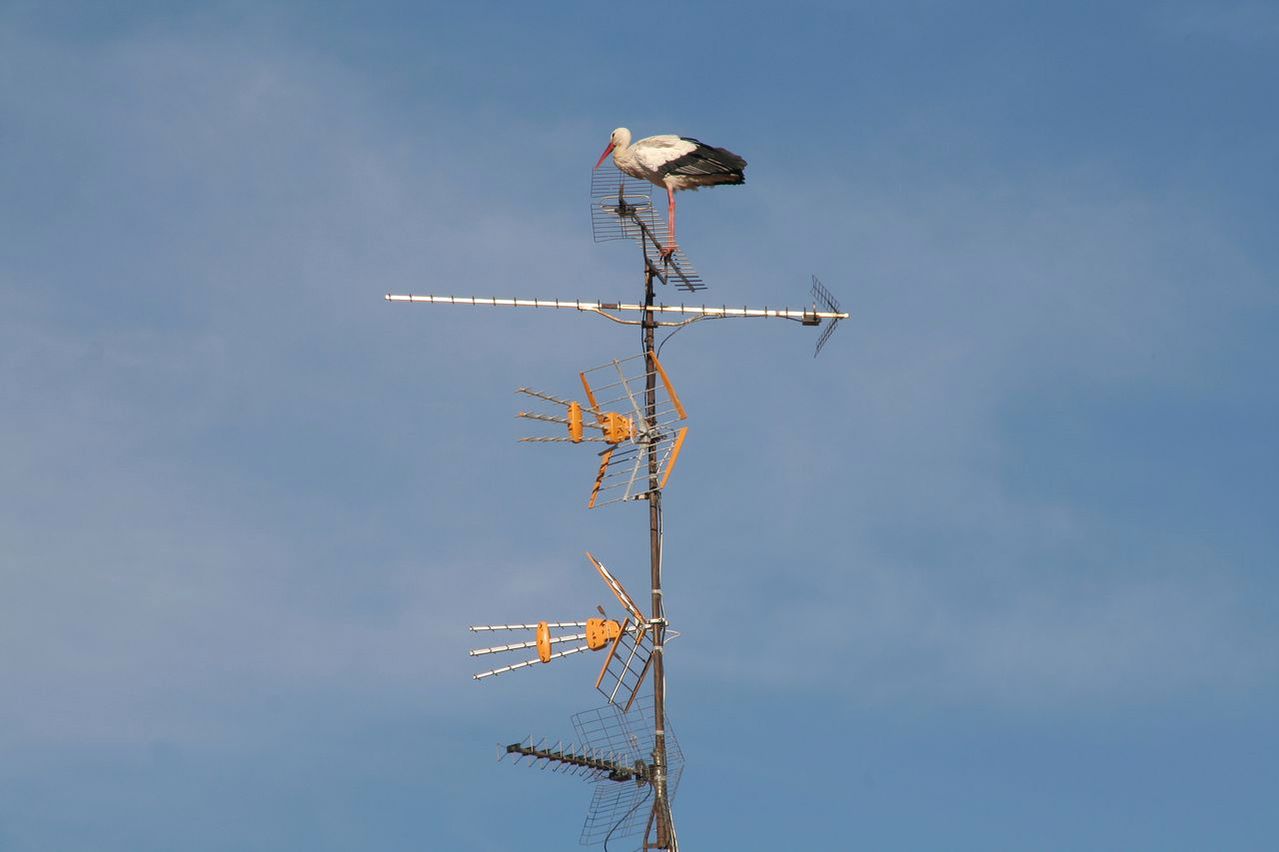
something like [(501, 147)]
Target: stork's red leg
[(672, 246)]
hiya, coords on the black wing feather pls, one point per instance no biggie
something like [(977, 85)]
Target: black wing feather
[(707, 160)]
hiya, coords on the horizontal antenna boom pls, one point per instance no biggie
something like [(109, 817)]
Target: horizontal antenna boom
[(599, 307)]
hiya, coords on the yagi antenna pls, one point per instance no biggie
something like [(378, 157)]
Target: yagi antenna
[(615, 752), (610, 310), (613, 414), (629, 644)]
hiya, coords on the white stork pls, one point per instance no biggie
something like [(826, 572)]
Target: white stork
[(673, 162)]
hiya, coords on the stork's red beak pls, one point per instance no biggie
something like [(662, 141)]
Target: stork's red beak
[(604, 156)]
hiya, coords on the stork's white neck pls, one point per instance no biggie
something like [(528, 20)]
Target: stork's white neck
[(621, 146)]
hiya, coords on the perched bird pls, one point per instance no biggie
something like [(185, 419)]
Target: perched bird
[(674, 162)]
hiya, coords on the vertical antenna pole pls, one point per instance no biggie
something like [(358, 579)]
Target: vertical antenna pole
[(661, 802)]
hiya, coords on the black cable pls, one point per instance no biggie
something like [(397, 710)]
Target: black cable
[(626, 817), (681, 328)]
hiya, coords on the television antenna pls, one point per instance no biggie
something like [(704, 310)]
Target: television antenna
[(629, 643), (612, 750), (637, 425), (630, 435), (622, 209)]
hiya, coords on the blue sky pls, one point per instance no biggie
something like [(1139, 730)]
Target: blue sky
[(997, 571)]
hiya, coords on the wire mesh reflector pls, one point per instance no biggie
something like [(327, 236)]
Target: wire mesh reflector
[(625, 667), (621, 810), (823, 297), (622, 208), (618, 203)]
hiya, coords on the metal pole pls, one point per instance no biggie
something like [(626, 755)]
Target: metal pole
[(661, 802)]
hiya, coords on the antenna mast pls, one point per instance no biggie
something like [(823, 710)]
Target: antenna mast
[(630, 765), (665, 824)]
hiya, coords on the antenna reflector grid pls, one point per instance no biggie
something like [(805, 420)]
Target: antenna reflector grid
[(618, 203), (824, 297), (622, 209), (625, 476), (625, 667), (617, 810)]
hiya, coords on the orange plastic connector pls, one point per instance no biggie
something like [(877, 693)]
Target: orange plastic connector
[(575, 422), (617, 428), (601, 631), (543, 642)]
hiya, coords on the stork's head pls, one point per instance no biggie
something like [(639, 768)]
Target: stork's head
[(620, 139)]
